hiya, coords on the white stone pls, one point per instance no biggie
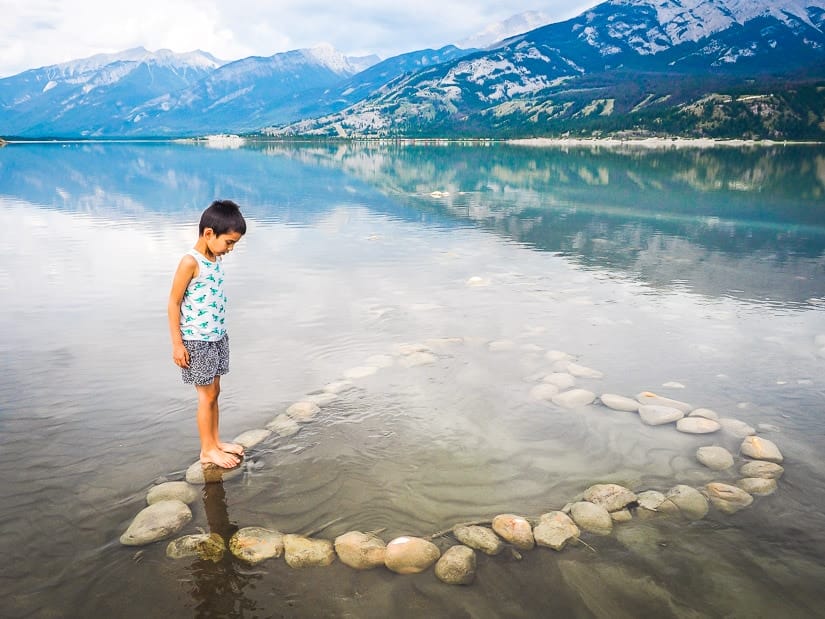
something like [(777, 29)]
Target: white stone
[(562, 380), (736, 428), (574, 398), (302, 411), (714, 457), (646, 397), (706, 413), (361, 371), (761, 449), (408, 348), (251, 438), (619, 402), (177, 490), (656, 415), (697, 425), (283, 425), (581, 371), (158, 521), (544, 391)]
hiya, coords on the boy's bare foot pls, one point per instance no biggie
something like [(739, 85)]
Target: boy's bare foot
[(232, 448), (220, 458)]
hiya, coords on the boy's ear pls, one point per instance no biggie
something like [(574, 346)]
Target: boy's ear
[(208, 232)]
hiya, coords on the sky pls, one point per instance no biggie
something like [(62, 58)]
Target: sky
[(37, 33)]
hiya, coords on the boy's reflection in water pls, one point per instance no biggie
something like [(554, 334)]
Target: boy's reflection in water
[(218, 586)]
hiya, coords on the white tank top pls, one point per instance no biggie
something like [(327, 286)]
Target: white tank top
[(203, 309)]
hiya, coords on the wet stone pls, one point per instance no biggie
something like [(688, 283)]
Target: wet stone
[(338, 386), (581, 371), (714, 457), (554, 530), (619, 402), (514, 529), (761, 468), (650, 499), (480, 538), (361, 371), (178, 490), (156, 522), (417, 359), (501, 346), (199, 473), (300, 551), (612, 497), (651, 399), (591, 517), (251, 438), (656, 415), (303, 411), (283, 425), (623, 515), (206, 546), (410, 555), (761, 449), (256, 544), (380, 361), (457, 566), (322, 399), (726, 498), (759, 486), (544, 391), (562, 380), (361, 551), (705, 413), (691, 503), (697, 425), (736, 428), (574, 398)]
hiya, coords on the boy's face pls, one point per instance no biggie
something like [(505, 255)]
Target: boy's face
[(221, 244)]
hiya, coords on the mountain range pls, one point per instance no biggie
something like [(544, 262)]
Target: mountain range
[(753, 68)]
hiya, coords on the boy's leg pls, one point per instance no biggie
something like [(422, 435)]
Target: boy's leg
[(232, 448), (211, 450)]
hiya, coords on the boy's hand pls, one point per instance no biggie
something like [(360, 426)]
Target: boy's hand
[(180, 355)]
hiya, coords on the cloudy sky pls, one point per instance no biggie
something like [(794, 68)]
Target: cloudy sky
[(36, 33)]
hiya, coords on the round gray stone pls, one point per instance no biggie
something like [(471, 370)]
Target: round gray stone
[(656, 415), (480, 538), (256, 544), (457, 566), (178, 490), (714, 457), (761, 468), (158, 521), (697, 425), (619, 402), (591, 517)]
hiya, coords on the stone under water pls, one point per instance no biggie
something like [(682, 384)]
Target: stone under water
[(574, 398), (361, 551), (715, 457), (726, 498), (759, 486), (658, 415), (697, 425), (179, 490), (457, 566), (199, 473), (410, 555), (206, 546), (692, 504), (591, 517), (761, 449), (300, 551), (612, 497), (251, 438), (514, 529), (619, 402), (156, 522), (256, 544), (554, 530), (761, 468), (480, 538)]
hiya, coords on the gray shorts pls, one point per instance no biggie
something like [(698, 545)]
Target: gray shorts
[(206, 361)]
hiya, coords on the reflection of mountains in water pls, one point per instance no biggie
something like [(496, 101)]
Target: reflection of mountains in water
[(722, 221), (743, 222)]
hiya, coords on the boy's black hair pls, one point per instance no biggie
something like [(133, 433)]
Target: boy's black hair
[(222, 216)]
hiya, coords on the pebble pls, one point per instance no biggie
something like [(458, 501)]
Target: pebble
[(714, 457), (697, 425), (726, 498), (707, 413), (251, 438), (646, 397), (457, 566), (759, 486), (206, 546), (612, 497), (199, 473), (158, 521), (303, 410), (736, 428), (410, 555), (761, 468), (657, 415), (361, 371), (283, 425), (514, 529), (362, 551), (554, 530), (591, 517), (619, 402), (574, 398), (544, 391), (581, 371), (256, 544), (300, 551), (562, 380), (179, 490), (480, 538), (761, 449), (691, 503)]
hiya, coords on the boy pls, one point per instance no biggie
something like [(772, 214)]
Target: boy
[(197, 305)]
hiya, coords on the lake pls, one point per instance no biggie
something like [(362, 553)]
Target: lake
[(696, 274)]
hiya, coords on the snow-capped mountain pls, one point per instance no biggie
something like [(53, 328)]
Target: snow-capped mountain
[(615, 47), (493, 33)]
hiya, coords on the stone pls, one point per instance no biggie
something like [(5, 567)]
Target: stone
[(361, 551), (361, 371), (206, 546), (557, 355), (338, 386), (672, 384), (767, 427), (761, 468), (619, 402), (410, 555), (623, 515), (283, 425), (648, 398), (300, 551), (418, 358), (737, 428), (544, 391), (554, 530), (514, 529), (457, 566), (612, 497), (581, 371), (199, 473), (656, 415), (256, 544), (303, 410), (180, 490), (726, 498), (156, 522), (251, 438), (321, 399), (380, 361), (759, 486), (714, 457), (650, 499), (691, 503), (697, 425), (480, 538), (410, 348), (761, 449), (574, 398), (706, 413), (591, 517), (562, 380)]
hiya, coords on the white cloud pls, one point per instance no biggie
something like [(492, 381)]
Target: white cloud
[(42, 32)]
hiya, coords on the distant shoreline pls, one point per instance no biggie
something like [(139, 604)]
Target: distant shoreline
[(658, 142)]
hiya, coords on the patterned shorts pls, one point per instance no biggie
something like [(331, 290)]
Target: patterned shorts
[(206, 361)]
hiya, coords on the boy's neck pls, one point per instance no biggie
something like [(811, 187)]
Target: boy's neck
[(202, 248)]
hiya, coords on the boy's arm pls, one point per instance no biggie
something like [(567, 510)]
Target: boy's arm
[(186, 271)]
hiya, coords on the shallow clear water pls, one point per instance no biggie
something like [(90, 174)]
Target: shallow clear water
[(702, 267)]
